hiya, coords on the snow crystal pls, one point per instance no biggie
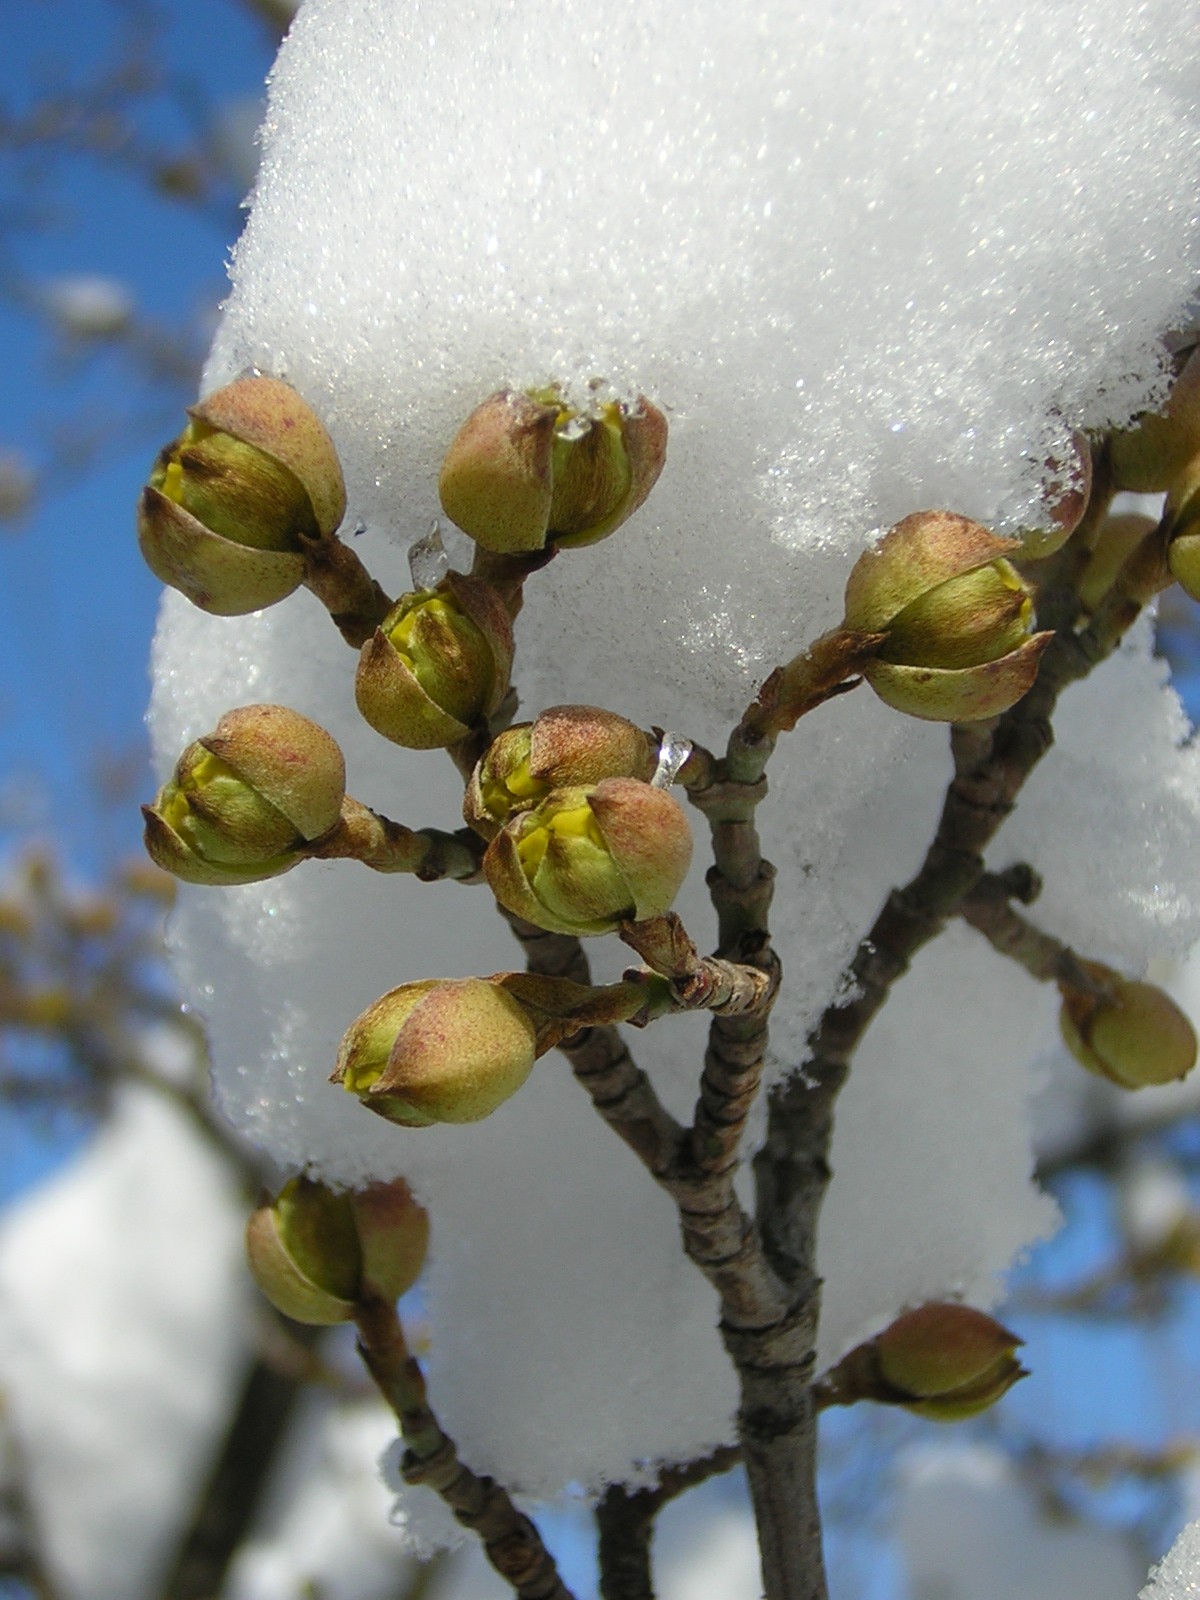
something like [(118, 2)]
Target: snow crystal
[(867, 261), (1177, 1577)]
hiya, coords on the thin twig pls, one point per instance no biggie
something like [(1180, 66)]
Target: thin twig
[(511, 1542)]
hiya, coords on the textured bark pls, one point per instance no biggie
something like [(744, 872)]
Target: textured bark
[(510, 1541)]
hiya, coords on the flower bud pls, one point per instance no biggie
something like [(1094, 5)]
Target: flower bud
[(1135, 1035), (1116, 540), (568, 746), (956, 614), (947, 1361), (585, 860), (438, 664), (1181, 515), (1068, 492), (230, 502), (526, 470), (441, 1050), (1149, 457), (246, 799), (317, 1254)]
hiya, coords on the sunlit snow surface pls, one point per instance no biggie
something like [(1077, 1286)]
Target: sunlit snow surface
[(1177, 1577), (867, 261)]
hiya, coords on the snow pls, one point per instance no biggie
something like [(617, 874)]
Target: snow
[(867, 260), (1177, 1577), (969, 1529), (122, 1331)]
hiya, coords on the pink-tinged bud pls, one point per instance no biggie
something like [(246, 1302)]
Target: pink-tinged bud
[(1069, 490), (585, 860), (947, 1361), (567, 747), (1149, 457), (441, 1050), (437, 666), (956, 615), (527, 470), (230, 502), (1132, 1034), (246, 799), (317, 1253)]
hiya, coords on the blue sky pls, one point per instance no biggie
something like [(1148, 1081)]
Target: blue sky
[(77, 603)]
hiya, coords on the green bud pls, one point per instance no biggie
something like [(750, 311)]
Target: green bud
[(317, 1254), (246, 799), (947, 1361), (1116, 540), (527, 470), (231, 501), (1150, 457), (1135, 1035), (585, 860), (956, 614), (438, 664), (441, 1050), (566, 747)]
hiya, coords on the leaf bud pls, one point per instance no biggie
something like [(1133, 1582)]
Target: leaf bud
[(586, 859), (1068, 492), (947, 1361), (440, 1050), (317, 1253), (527, 470), (568, 746), (1116, 540), (230, 502), (439, 663), (246, 799), (956, 614), (1132, 1033), (1149, 457)]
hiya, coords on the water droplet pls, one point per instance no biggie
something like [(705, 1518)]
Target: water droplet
[(427, 559), (672, 753)]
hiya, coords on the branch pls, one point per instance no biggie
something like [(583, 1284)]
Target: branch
[(625, 1522), (718, 1234), (511, 1542), (361, 834), (989, 910)]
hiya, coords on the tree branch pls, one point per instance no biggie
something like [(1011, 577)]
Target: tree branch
[(511, 1542)]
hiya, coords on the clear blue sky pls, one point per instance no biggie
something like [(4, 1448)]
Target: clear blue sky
[(78, 604)]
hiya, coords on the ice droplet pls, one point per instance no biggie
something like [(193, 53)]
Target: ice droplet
[(427, 559), (673, 751)]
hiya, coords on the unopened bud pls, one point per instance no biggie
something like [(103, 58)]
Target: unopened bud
[(317, 1253), (568, 746), (947, 1361), (1130, 1033), (1068, 491), (1116, 540), (527, 470), (441, 1050), (245, 800), (956, 614), (1149, 458), (586, 859), (437, 665), (229, 503)]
